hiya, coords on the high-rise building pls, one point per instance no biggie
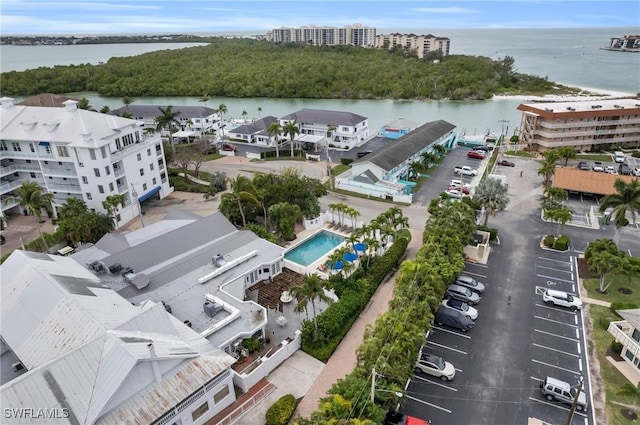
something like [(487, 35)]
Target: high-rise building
[(355, 35), (420, 44)]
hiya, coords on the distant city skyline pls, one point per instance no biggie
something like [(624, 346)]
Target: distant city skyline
[(87, 17)]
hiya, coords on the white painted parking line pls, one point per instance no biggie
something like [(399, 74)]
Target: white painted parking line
[(446, 348), (451, 332), (558, 336), (477, 265), (553, 277), (428, 381), (556, 367), (576, 319), (475, 274), (548, 307), (558, 406), (554, 349), (458, 370), (580, 365), (555, 321), (428, 404), (577, 333), (553, 259), (557, 270), (536, 379)]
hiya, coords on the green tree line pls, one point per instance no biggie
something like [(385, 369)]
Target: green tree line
[(252, 68)]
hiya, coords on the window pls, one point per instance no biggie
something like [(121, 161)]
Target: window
[(48, 149), (110, 187), (96, 172), (103, 151), (221, 395), (161, 163), (3, 146), (16, 147), (31, 147), (149, 152), (62, 151), (163, 177), (107, 170), (33, 175), (142, 171), (139, 157), (200, 410), (88, 195), (85, 180), (151, 166), (100, 188), (153, 181), (158, 148), (92, 154)]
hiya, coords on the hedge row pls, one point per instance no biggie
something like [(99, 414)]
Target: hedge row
[(281, 411)]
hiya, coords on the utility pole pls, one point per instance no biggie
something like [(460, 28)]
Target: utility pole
[(373, 383), (134, 194), (575, 403)]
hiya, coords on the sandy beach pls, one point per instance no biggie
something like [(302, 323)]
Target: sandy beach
[(586, 94)]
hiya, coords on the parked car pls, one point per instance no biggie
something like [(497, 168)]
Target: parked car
[(506, 163), (452, 318), (464, 189), (454, 193), (229, 147), (462, 293), (482, 148), (462, 307), (470, 283), (583, 166), (396, 418), (618, 156), (465, 170), (476, 154), (624, 170), (458, 183), (636, 172), (308, 146), (435, 366), (597, 166), (609, 169), (561, 298), (555, 389)]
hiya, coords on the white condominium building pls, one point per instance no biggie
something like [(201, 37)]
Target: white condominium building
[(420, 44), (75, 153), (583, 125), (355, 35)]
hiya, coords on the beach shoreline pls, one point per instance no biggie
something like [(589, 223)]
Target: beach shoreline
[(587, 93)]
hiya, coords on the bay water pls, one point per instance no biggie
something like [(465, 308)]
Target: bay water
[(568, 56)]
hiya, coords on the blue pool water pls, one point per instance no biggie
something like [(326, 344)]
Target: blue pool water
[(314, 248)]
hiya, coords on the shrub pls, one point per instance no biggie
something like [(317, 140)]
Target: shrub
[(635, 154), (281, 411), (619, 305), (616, 347), (549, 240), (605, 321), (562, 243), (251, 344), (346, 161), (492, 231)]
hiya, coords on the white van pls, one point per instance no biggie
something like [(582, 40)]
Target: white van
[(618, 156), (67, 250)]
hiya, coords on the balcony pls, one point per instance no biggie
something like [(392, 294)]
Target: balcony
[(146, 141), (18, 168), (59, 171), (8, 187), (10, 202), (64, 188), (620, 331)]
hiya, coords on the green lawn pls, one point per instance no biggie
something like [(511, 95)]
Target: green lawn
[(613, 295), (519, 153), (595, 157), (611, 378)]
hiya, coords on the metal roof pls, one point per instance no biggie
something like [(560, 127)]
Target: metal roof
[(631, 316), (255, 127), (153, 111), (397, 151), (319, 116)]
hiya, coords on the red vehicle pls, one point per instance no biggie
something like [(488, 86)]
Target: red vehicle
[(476, 154), (506, 163), (229, 147), (464, 189)]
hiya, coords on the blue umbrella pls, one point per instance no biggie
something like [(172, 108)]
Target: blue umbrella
[(337, 266), (360, 246), (350, 256)]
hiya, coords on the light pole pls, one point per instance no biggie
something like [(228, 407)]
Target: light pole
[(575, 402), (134, 194), (373, 386)]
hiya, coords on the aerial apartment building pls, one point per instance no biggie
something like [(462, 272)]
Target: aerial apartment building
[(609, 123), (354, 35), (75, 153), (420, 44)]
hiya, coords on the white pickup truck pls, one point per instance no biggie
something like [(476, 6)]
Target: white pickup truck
[(465, 171)]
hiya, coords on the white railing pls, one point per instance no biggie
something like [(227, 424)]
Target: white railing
[(18, 167), (60, 171), (65, 187), (8, 187), (618, 330)]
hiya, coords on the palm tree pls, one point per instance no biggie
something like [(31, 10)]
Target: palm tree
[(291, 129), (244, 115), (552, 195), (439, 150), (259, 112), (330, 130), (560, 215), (222, 109), (603, 256), (127, 101), (275, 130), (625, 200), (492, 195), (243, 190), (548, 168), (311, 289), (429, 159), (166, 120), (33, 200), (630, 390), (111, 204), (567, 153)]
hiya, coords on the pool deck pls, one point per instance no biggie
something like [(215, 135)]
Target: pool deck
[(316, 266)]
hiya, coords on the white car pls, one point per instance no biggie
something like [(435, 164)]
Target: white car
[(435, 366), (561, 298), (462, 307), (636, 172), (597, 166), (452, 193), (609, 169), (458, 183)]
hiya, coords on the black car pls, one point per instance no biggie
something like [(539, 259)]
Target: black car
[(624, 170), (454, 319), (583, 166)]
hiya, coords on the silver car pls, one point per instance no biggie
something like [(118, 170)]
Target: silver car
[(462, 293), (470, 283)]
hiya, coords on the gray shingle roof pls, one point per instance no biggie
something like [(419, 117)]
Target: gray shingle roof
[(394, 153), (152, 111), (319, 116), (256, 126), (631, 316)]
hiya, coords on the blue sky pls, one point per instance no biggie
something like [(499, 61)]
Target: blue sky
[(256, 17)]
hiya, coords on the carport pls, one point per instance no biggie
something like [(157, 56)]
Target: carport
[(149, 194)]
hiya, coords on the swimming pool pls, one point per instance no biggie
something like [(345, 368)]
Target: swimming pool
[(314, 248)]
